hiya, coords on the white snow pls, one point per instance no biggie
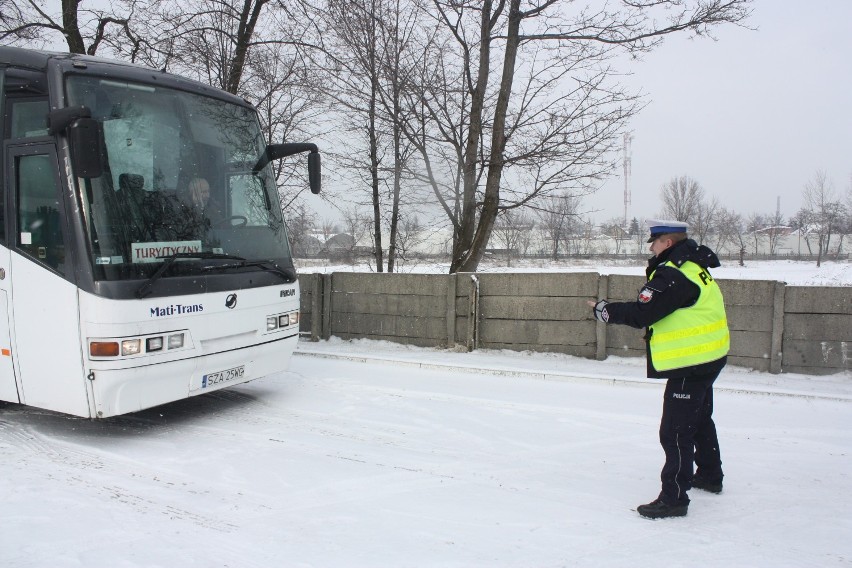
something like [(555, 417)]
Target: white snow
[(371, 454)]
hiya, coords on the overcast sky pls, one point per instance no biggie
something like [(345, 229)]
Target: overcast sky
[(751, 116)]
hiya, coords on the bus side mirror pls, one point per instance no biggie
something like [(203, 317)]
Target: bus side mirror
[(278, 151), (315, 172), (84, 138)]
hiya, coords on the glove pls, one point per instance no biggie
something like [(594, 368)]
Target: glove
[(600, 311)]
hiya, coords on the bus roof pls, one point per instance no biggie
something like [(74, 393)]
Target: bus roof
[(40, 60)]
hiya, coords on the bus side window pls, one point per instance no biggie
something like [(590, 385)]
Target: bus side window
[(39, 224), (28, 118), (2, 135)]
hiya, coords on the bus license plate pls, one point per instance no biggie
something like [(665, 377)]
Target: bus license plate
[(219, 377)]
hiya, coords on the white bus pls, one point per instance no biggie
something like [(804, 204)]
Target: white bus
[(143, 253)]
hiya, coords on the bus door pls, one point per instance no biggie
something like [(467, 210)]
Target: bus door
[(8, 385), (43, 296)]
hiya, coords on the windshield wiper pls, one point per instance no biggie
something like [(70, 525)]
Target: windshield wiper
[(288, 274), (145, 288)]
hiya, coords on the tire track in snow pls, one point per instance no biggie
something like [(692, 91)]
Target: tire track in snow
[(95, 472)]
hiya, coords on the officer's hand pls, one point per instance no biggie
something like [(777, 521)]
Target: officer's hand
[(599, 309)]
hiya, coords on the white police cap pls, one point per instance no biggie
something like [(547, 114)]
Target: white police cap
[(658, 227)]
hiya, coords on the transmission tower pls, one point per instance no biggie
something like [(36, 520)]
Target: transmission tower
[(627, 172)]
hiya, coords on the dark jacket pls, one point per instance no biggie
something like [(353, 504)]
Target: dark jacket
[(667, 291)]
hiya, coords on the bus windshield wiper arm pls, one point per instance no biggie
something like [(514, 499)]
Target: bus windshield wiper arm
[(145, 288), (288, 275)]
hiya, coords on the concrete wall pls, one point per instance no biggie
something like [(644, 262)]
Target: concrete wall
[(406, 308), (773, 327), (535, 311), (817, 329)]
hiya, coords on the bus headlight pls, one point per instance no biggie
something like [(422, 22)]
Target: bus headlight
[(131, 346), (176, 341), (280, 321), (135, 346)]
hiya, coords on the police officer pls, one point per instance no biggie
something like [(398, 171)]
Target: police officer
[(687, 338)]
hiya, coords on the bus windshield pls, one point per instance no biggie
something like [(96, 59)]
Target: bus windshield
[(177, 180)]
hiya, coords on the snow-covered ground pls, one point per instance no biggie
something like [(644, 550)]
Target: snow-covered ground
[(794, 273), (369, 454)]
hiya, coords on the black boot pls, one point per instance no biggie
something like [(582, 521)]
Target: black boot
[(659, 509), (711, 485)]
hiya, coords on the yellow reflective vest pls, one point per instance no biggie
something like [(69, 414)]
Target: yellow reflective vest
[(694, 335)]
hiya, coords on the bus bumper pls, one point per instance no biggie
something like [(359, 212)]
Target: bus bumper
[(119, 391)]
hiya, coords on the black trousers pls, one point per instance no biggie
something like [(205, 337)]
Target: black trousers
[(688, 434)]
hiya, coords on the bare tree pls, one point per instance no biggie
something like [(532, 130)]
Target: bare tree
[(849, 195), (545, 31), (774, 230), (352, 62), (825, 211), (846, 225), (614, 229), (300, 224), (753, 226), (578, 240), (357, 224), (370, 49), (84, 30), (251, 48), (409, 236), (557, 219), (682, 199), (328, 228), (729, 228), (740, 237), (835, 219), (512, 231), (803, 221), (705, 219), (396, 64), (284, 92), (212, 40)]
